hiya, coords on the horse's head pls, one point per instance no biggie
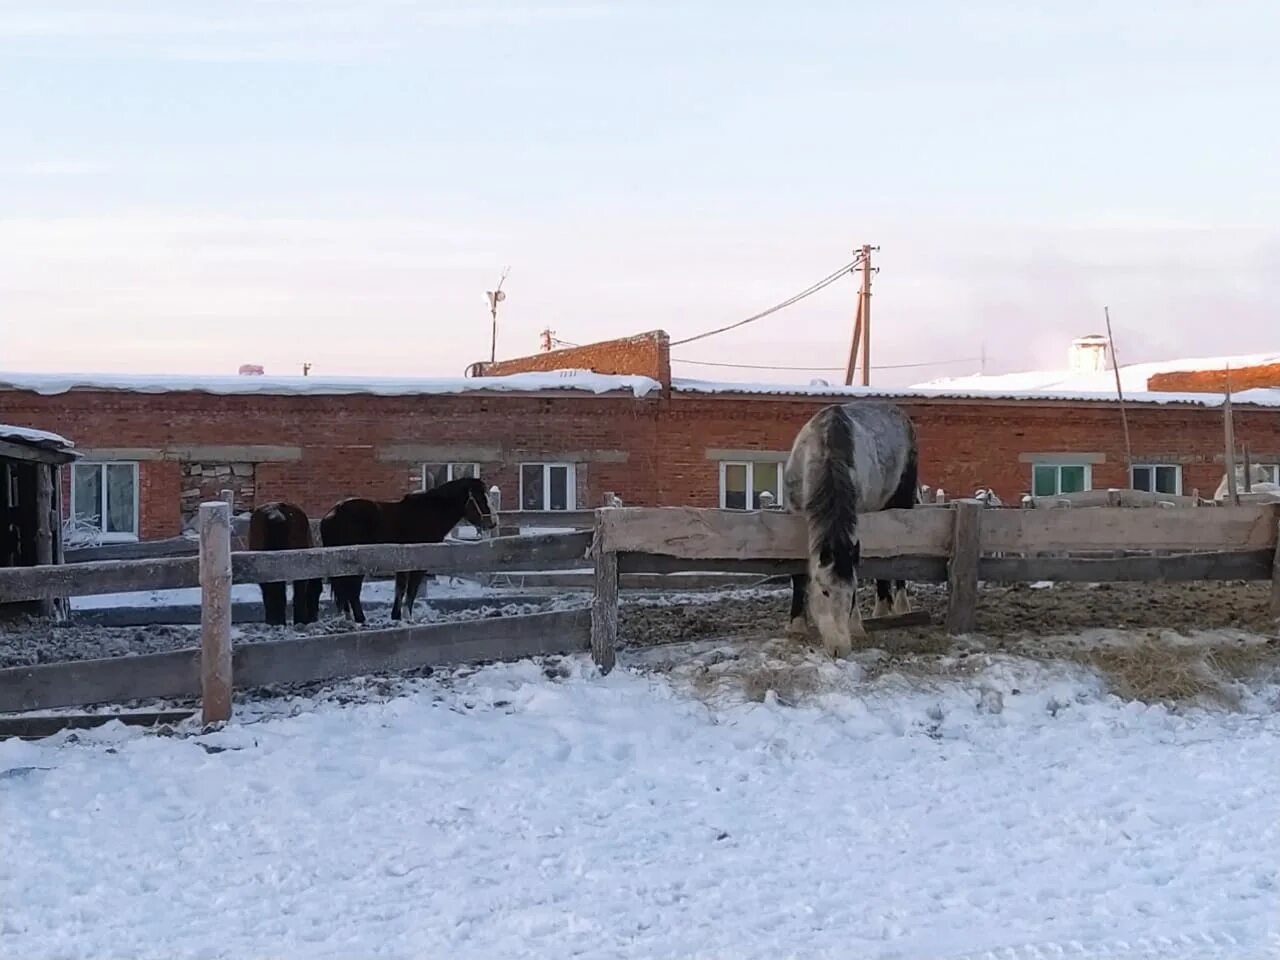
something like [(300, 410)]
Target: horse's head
[(476, 510)]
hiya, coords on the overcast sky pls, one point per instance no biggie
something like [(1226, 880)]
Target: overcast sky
[(188, 186)]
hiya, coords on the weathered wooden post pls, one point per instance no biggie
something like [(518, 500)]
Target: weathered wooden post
[(1275, 578), (940, 496), (604, 603), (962, 570), (215, 611), (1114, 499), (229, 498), (766, 500), (45, 525)]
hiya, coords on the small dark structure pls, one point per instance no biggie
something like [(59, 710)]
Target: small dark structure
[(31, 506)]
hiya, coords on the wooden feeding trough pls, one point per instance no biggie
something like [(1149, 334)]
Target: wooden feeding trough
[(31, 464)]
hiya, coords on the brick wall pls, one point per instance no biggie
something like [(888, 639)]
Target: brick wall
[(652, 451), (1215, 381), (353, 445), (646, 355), (966, 445)]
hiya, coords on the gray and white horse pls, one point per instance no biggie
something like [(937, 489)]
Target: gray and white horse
[(850, 458)]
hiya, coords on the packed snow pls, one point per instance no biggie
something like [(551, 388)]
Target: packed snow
[(1133, 376), (1259, 396), (540, 810), (581, 380), (41, 438)]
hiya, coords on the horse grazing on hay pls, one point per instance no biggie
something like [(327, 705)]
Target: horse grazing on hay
[(284, 526), (425, 516), (850, 458)]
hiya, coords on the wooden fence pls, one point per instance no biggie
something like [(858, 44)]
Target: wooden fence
[(960, 545), (211, 669)]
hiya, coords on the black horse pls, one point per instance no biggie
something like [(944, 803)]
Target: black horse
[(426, 516), (284, 526)]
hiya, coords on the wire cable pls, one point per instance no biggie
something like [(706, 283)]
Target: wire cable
[(882, 366), (807, 292)]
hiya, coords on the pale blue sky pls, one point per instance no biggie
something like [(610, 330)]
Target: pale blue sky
[(187, 186)]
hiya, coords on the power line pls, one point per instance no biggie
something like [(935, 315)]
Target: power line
[(882, 366), (807, 292)]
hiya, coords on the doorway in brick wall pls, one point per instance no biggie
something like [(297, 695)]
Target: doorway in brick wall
[(206, 481)]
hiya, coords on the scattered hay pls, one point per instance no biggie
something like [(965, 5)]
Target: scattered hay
[(1155, 670)]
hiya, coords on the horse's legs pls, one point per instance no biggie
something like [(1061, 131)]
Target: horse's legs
[(273, 603), (306, 600), (395, 604), (357, 611), (884, 599), (904, 498), (413, 581), (346, 592), (798, 628)]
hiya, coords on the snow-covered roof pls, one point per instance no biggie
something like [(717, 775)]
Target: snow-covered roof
[(578, 380), (1133, 377), (35, 438), (1261, 397)]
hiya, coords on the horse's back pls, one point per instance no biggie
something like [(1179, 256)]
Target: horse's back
[(279, 525), (356, 520), (877, 440)]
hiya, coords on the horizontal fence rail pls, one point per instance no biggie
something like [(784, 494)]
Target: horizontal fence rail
[(534, 552), (176, 673)]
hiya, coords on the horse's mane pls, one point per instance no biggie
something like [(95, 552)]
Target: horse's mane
[(833, 496)]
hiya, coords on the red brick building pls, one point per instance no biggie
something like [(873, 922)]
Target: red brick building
[(552, 436)]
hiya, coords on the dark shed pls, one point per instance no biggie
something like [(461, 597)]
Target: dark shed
[(31, 464)]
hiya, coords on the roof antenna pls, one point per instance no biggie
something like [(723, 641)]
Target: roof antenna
[(496, 296)]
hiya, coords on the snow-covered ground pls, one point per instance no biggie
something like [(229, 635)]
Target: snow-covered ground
[(516, 811)]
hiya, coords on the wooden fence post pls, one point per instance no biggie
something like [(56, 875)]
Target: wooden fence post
[(604, 604), (962, 570), (215, 611), (1275, 578)]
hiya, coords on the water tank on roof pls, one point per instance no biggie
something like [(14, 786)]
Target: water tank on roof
[(1088, 354)]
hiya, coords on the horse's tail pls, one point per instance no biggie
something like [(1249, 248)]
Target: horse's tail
[(832, 503)]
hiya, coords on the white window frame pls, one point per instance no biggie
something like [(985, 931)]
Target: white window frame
[(1088, 477), (449, 473), (570, 487), (1176, 467), (751, 481), (1275, 471), (116, 536)]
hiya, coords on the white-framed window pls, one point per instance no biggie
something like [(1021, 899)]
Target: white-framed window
[(742, 482), (1052, 479), (1158, 478), (105, 496), (1273, 471), (434, 474), (548, 486)]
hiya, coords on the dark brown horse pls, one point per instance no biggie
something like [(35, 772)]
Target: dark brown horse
[(423, 517), (284, 526)]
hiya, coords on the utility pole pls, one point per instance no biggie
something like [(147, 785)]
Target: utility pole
[(496, 296), (547, 336), (866, 314), (862, 321), (306, 369), (1124, 416)]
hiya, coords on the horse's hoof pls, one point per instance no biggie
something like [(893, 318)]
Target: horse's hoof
[(839, 650), (882, 608), (901, 604)]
